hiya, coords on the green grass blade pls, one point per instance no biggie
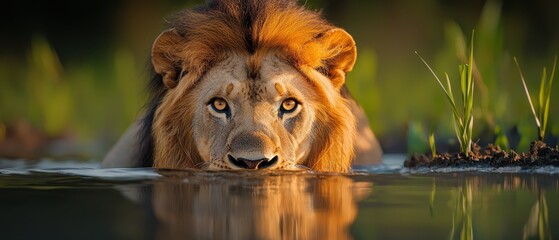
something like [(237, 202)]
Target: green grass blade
[(544, 120), (541, 96), (463, 85), (527, 94), (469, 133), (543, 105), (471, 66), (501, 139), (451, 99), (468, 78), (469, 107), (433, 72), (469, 112), (447, 90), (469, 98), (432, 144), (552, 75), (458, 130), (548, 87)]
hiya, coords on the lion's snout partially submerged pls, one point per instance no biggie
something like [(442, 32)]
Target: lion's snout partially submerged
[(262, 163), (253, 150)]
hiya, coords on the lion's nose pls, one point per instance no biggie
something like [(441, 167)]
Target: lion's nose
[(253, 164)]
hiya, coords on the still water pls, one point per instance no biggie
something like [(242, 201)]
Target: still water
[(76, 200)]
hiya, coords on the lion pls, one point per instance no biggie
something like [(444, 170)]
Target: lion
[(249, 84)]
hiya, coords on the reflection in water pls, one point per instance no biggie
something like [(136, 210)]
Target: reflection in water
[(462, 214), (217, 205), (476, 187), (537, 225), (266, 207)]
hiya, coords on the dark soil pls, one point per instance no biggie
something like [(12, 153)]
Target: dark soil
[(540, 155)]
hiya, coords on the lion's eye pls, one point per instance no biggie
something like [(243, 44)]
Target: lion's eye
[(288, 105), (219, 105)]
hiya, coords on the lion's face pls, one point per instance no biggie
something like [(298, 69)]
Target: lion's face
[(252, 86), (254, 122)]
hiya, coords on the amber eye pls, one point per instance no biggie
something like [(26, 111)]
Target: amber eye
[(219, 105), (288, 105)]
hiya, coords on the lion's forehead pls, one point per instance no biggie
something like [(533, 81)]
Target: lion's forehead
[(231, 78)]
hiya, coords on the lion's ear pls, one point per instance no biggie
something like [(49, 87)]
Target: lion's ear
[(343, 53), (164, 57)]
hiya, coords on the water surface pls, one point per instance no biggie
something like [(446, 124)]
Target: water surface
[(77, 200)]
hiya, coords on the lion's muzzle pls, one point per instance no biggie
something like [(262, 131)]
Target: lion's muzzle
[(252, 150), (262, 163)]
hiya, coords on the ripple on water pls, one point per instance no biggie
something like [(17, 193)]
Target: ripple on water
[(392, 164), (85, 169)]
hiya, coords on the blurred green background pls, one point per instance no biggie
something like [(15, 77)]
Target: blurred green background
[(73, 73)]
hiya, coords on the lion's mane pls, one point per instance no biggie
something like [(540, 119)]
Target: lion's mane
[(255, 28)]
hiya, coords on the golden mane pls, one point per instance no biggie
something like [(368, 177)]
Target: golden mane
[(254, 27), (201, 37)]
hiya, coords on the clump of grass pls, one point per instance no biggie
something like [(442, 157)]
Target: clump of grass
[(463, 123), (543, 99)]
